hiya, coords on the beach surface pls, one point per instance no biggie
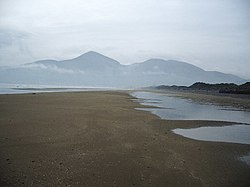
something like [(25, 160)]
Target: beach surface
[(240, 101), (100, 139)]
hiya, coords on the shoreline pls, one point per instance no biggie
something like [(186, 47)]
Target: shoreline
[(241, 102), (100, 139)]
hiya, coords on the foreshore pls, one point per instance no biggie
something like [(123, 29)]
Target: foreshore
[(100, 139), (240, 101)]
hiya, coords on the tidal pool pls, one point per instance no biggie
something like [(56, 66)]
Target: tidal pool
[(233, 134), (176, 108)]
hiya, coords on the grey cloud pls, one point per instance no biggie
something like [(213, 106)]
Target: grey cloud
[(211, 34)]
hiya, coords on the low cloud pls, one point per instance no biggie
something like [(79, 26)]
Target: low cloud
[(210, 34), (52, 68)]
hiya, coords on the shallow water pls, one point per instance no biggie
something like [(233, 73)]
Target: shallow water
[(176, 108), (246, 159), (234, 133)]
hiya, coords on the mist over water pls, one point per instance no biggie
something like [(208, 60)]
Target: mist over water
[(31, 88)]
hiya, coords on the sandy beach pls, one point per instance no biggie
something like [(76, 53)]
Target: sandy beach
[(99, 139)]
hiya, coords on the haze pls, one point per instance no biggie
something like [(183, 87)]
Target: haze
[(214, 35)]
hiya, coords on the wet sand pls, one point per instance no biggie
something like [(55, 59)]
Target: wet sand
[(99, 139), (240, 101)]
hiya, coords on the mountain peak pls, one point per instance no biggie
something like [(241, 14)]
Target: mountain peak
[(173, 63), (95, 69), (91, 54), (93, 60)]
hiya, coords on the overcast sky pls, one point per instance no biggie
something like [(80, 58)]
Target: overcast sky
[(214, 34)]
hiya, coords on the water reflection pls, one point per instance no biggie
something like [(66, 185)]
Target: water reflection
[(234, 133), (175, 108)]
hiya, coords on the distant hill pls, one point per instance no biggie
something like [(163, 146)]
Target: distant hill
[(220, 88), (241, 89), (90, 61), (93, 69)]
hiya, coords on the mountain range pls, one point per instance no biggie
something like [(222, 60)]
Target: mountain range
[(93, 69)]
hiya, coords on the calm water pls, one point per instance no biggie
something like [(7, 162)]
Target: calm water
[(218, 134), (176, 108), (233, 134)]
